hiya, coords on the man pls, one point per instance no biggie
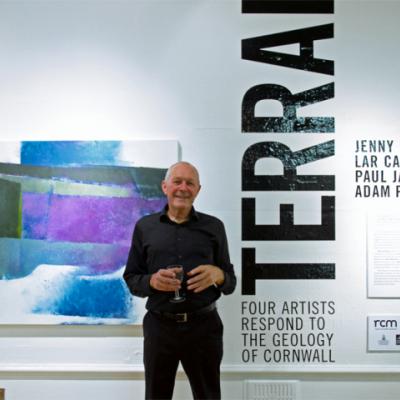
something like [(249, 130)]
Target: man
[(189, 331)]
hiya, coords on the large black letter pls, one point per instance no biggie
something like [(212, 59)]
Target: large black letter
[(252, 271), (290, 161), (290, 103), (288, 6), (253, 49), (287, 230)]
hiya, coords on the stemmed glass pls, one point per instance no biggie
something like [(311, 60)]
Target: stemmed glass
[(178, 275)]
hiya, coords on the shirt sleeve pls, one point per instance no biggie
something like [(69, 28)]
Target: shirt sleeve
[(223, 261), (136, 274)]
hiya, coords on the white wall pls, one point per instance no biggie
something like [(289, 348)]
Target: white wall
[(135, 70)]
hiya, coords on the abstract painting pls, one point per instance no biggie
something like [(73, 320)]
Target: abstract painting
[(68, 210)]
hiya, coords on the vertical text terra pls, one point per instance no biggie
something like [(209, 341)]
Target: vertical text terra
[(256, 49)]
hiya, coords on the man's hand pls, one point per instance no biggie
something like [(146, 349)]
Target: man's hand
[(165, 280), (205, 276)]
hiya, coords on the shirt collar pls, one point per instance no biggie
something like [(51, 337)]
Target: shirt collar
[(193, 215)]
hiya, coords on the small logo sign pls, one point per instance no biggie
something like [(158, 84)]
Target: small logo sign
[(384, 333)]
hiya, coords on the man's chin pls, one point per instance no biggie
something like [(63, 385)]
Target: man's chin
[(182, 204)]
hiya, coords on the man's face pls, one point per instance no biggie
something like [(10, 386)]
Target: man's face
[(181, 187)]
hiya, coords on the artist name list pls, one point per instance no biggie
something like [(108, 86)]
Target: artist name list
[(377, 168)]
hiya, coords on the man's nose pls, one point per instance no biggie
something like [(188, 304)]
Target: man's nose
[(183, 186)]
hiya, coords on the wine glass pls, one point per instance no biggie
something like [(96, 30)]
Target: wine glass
[(178, 275)]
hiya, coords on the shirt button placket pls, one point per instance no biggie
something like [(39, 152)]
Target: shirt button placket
[(179, 244)]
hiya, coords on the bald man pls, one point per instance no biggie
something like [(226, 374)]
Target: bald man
[(182, 323)]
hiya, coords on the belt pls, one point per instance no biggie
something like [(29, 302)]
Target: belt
[(185, 317)]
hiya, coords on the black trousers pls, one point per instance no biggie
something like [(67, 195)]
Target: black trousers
[(197, 344)]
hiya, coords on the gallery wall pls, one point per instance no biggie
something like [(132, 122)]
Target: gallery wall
[(175, 71)]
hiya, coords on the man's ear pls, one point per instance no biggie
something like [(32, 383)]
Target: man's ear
[(164, 187)]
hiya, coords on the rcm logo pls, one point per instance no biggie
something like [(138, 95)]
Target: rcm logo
[(385, 323)]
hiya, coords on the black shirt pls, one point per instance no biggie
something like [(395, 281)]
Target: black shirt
[(158, 242)]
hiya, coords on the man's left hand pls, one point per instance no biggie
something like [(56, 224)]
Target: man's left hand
[(205, 276)]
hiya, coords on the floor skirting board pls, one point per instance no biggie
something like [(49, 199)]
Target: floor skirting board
[(228, 372)]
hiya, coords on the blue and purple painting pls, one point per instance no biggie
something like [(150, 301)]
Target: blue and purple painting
[(68, 210)]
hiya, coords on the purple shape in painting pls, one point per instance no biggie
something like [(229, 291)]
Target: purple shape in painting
[(92, 219), (85, 219), (35, 209)]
